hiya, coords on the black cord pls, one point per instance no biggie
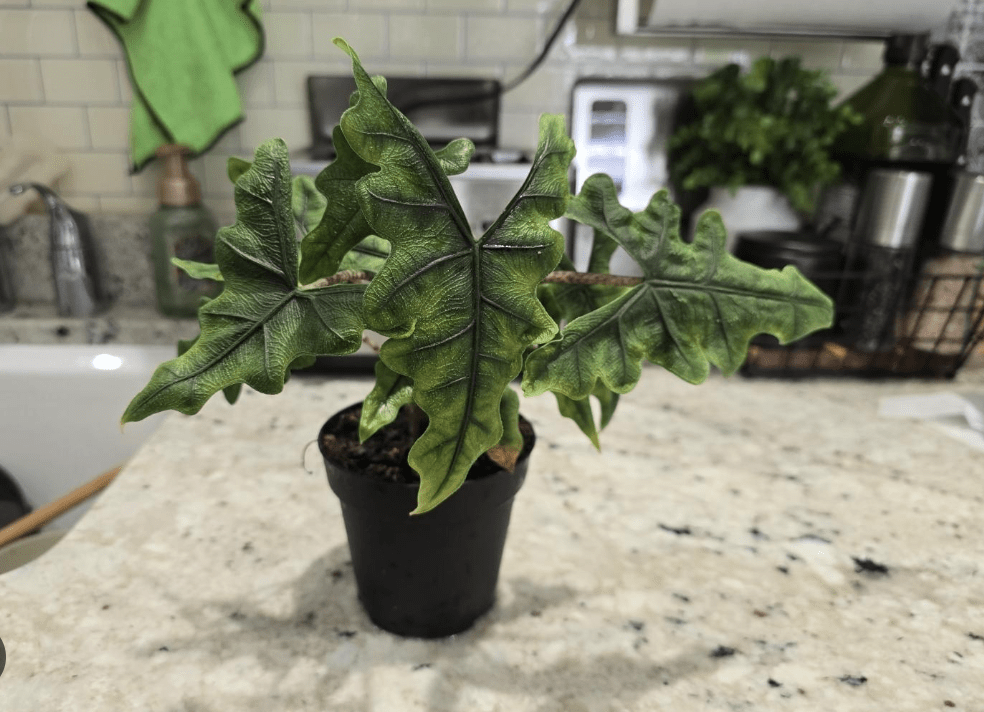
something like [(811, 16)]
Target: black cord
[(513, 83)]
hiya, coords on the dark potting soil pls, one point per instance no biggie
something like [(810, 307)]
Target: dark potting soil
[(384, 455)]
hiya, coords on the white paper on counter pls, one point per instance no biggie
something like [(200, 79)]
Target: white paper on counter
[(959, 416)]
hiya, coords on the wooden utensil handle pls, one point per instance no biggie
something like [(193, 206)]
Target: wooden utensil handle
[(28, 523)]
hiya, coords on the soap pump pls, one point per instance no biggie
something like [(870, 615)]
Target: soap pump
[(78, 286), (182, 227)]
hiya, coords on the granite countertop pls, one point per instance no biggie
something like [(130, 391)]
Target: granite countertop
[(742, 545)]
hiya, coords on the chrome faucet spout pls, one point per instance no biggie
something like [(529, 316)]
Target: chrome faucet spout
[(78, 287)]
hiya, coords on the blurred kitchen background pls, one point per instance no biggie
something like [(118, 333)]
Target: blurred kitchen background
[(622, 71), (63, 76)]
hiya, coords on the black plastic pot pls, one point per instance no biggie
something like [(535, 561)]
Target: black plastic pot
[(429, 575)]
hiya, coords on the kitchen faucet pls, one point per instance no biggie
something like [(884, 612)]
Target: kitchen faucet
[(78, 288)]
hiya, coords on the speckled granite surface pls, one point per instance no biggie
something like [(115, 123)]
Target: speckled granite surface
[(742, 545)]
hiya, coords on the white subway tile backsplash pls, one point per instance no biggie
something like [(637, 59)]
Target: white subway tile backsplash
[(128, 205), (95, 38), (537, 6), (97, 174), (673, 53), (83, 104), (519, 130), (20, 80), (472, 71), (109, 127), (256, 85), (465, 5), (812, 54), (83, 203), (292, 125), (80, 80), (546, 90), (597, 9), (397, 5), (720, 51), (36, 32), (319, 5), (230, 143), (288, 34), (501, 38), (215, 176), (56, 3), (62, 126), (847, 84), (289, 78), (863, 56), (124, 82), (365, 32), (425, 37)]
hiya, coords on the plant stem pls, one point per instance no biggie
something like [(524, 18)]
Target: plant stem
[(612, 280), (348, 276), (416, 416)]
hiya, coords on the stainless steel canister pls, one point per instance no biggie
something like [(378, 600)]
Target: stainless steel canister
[(890, 218), (963, 230), (892, 209)]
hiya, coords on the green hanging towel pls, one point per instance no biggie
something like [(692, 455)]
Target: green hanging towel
[(182, 55)]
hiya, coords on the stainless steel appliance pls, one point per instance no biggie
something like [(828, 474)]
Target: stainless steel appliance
[(622, 128)]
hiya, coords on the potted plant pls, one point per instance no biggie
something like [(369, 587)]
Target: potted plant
[(761, 142), (387, 247)]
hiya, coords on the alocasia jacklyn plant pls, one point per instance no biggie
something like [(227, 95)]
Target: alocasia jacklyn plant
[(387, 247)]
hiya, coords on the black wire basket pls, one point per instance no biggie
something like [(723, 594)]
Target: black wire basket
[(925, 326)]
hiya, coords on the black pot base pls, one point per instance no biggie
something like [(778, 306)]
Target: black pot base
[(430, 575)]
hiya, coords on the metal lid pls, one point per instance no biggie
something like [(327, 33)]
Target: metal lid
[(893, 206), (963, 230)]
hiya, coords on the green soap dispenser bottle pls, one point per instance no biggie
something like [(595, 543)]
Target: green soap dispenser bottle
[(904, 121), (182, 227)]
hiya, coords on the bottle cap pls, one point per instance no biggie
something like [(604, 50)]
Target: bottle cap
[(178, 186)]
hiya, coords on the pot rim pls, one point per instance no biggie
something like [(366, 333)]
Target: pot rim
[(357, 489)]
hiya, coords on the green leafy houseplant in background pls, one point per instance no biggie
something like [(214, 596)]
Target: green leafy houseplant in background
[(773, 125), (387, 247)]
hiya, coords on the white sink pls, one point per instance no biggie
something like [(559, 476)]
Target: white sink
[(60, 409)]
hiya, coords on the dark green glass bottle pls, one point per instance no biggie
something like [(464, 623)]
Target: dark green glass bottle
[(904, 121), (182, 227)]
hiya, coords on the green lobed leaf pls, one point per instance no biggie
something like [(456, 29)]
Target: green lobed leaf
[(565, 302), (231, 393), (307, 203), (506, 452), (263, 323), (343, 227), (459, 310), (235, 167), (391, 392), (369, 255), (697, 305), (198, 270), (581, 413)]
